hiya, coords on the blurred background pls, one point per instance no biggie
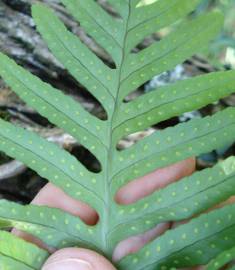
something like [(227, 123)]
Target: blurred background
[(19, 39), (222, 50)]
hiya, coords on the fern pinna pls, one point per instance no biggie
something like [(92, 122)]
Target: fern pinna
[(196, 242)]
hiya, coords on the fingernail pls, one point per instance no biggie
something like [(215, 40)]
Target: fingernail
[(68, 264)]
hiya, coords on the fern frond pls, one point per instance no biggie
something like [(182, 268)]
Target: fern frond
[(191, 244), (147, 19), (222, 259), (201, 191), (167, 53), (60, 109), (102, 27), (53, 226), (194, 138), (134, 20), (84, 65), (122, 7), (173, 100), (51, 162), (17, 254), (11, 264)]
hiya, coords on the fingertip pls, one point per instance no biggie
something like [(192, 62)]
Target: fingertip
[(77, 258), (53, 196)]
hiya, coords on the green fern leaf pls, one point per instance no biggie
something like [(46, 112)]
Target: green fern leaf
[(92, 73), (173, 100), (7, 263), (102, 28), (134, 20), (194, 138), (222, 259), (49, 225), (191, 244), (73, 118), (202, 190), (43, 157), (19, 254), (165, 55)]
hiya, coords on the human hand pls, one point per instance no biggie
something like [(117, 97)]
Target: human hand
[(76, 258)]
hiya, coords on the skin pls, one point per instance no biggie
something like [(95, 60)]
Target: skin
[(77, 258)]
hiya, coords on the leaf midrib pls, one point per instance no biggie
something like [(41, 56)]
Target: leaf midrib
[(108, 166), (109, 34), (53, 165), (151, 18), (170, 148), (126, 221), (17, 260), (164, 55), (166, 103), (46, 227), (64, 113), (75, 57), (189, 245)]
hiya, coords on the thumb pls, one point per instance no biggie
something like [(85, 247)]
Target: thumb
[(77, 259)]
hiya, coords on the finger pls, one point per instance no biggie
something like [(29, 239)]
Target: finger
[(77, 258), (147, 184), (52, 196), (31, 239), (134, 243), (230, 200), (141, 188)]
